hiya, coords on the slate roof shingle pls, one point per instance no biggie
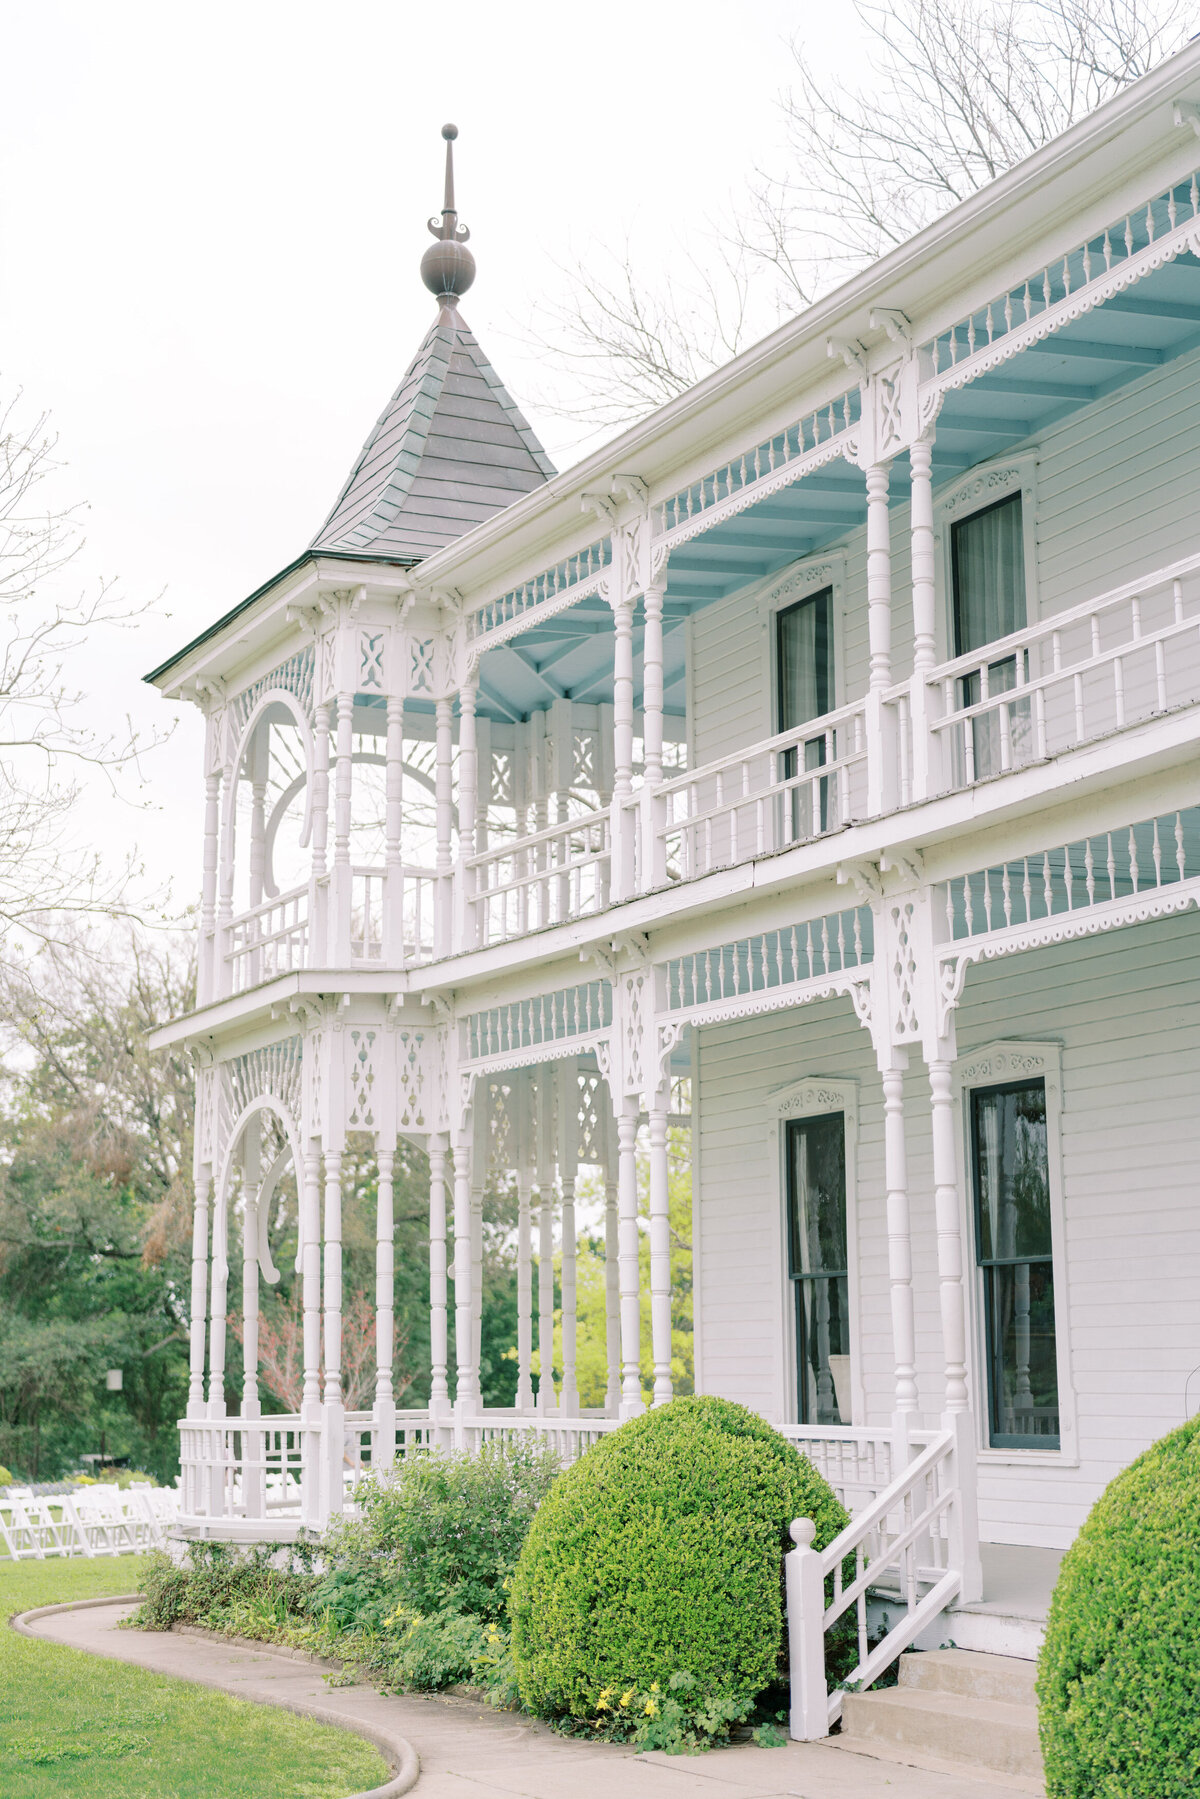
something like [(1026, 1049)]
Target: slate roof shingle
[(450, 449)]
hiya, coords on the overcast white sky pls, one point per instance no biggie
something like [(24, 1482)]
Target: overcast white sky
[(211, 220)]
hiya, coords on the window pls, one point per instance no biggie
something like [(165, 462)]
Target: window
[(987, 553), (1010, 1169), (804, 673), (818, 1265)]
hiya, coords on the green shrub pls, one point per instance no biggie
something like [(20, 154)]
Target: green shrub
[(1119, 1673), (654, 1568), (445, 1531)]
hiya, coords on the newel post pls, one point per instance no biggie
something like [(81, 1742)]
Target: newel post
[(804, 1589)]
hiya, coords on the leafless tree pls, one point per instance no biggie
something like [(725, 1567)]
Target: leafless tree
[(956, 92), (46, 750)]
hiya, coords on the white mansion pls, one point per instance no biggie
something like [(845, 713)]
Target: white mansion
[(820, 757)]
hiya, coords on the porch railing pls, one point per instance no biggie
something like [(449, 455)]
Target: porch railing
[(801, 784), (1074, 677), (907, 1546), (553, 875), (269, 940)]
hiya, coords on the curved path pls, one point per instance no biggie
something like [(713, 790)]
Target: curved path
[(467, 1751)]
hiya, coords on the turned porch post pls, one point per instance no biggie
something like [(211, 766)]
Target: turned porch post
[(393, 823), (468, 796), (525, 1170), (879, 629), (444, 792), (660, 1245), (904, 1353), (342, 805), (383, 1448), (924, 602), (632, 1402), (568, 1156), (622, 834), (546, 1396), (439, 1390), (198, 1320), (466, 1386)]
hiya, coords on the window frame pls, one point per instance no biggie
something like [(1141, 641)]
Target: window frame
[(804, 580), (983, 487), (817, 1097), (1005, 1064)]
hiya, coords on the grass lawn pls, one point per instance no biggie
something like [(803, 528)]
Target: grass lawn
[(71, 1724)]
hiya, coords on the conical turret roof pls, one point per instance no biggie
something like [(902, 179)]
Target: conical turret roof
[(451, 447)]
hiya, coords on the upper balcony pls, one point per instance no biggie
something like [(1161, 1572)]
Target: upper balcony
[(985, 551)]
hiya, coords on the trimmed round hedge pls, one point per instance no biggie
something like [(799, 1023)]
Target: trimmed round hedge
[(1119, 1674), (659, 1552)]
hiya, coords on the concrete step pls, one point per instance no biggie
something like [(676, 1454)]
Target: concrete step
[(961, 1728), (1003, 1677)]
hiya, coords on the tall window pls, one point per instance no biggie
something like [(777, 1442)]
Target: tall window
[(804, 664), (816, 1200), (988, 564), (1013, 1249)]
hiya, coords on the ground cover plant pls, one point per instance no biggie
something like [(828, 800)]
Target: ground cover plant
[(413, 1592), (647, 1603), (1119, 1672), (71, 1723)]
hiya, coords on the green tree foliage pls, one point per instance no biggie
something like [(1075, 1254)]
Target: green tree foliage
[(1119, 1671), (95, 1152), (658, 1553)]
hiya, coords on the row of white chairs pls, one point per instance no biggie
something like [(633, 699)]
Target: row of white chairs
[(91, 1521)]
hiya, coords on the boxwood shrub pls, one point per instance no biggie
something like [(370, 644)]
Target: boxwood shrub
[(1119, 1674), (658, 1554)]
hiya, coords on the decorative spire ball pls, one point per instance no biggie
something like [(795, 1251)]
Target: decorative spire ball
[(448, 267)]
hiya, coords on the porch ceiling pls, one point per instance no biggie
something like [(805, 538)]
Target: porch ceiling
[(1144, 328)]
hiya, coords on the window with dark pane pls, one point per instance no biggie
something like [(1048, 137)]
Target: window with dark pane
[(987, 552), (804, 672), (817, 1264), (1013, 1249)]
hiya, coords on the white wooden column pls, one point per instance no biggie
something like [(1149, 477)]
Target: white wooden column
[(466, 1386), (568, 1160), (393, 823), (949, 1237), (924, 600), (383, 1448), (653, 856), (207, 973), (660, 1246), (319, 910), (622, 816), (197, 1323), (526, 1155), (895, 1161), (879, 631), (468, 799), (439, 1389), (251, 1181), (444, 792), (612, 1273), (547, 1399), (219, 1303), (629, 1268)]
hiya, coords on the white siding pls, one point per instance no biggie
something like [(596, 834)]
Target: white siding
[(1124, 1009)]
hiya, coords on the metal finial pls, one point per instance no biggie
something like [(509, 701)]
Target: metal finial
[(448, 267)]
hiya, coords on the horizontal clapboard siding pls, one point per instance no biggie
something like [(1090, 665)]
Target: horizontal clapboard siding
[(1124, 1008)]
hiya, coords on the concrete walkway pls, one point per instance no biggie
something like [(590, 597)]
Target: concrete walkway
[(470, 1752)]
